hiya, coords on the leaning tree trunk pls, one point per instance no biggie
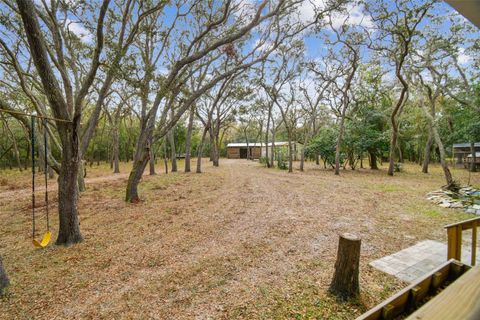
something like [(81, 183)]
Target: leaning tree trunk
[(68, 188), (441, 149), (428, 150), (140, 161), (473, 165), (188, 140), (3, 278), (345, 283)]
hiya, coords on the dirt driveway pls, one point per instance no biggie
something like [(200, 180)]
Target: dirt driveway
[(238, 241)]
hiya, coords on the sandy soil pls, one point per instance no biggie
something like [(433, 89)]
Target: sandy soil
[(238, 241)]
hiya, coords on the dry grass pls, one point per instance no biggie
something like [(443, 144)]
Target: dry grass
[(236, 242)]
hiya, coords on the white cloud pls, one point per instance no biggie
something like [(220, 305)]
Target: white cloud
[(463, 58), (308, 8), (79, 30), (354, 16)]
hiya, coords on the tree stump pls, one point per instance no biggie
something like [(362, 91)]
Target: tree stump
[(3, 278), (345, 282)]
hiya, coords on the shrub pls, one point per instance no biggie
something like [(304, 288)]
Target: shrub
[(282, 162)]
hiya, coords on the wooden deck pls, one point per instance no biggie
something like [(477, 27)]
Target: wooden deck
[(460, 300)]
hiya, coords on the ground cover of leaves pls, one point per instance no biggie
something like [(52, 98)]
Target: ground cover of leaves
[(236, 242)]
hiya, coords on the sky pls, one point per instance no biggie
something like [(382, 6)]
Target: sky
[(314, 45)]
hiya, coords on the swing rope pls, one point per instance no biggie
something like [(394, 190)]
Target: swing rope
[(45, 169), (47, 236), (32, 119)]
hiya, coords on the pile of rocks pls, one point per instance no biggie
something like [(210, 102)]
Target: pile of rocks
[(467, 198)]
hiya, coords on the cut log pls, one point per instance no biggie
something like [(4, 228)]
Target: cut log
[(3, 278), (345, 284)]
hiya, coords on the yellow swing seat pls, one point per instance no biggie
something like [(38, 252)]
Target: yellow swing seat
[(45, 240)]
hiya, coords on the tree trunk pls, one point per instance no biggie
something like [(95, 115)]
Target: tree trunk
[(391, 159), (272, 155), (290, 154), (68, 186), (473, 165), (151, 161), (212, 142), (248, 145), (200, 151), (267, 160), (317, 159), (215, 146), (302, 156), (81, 177), (428, 149), (345, 283), (373, 160), (173, 151), (339, 142), (3, 278), (135, 177), (116, 148), (165, 161), (441, 149), (400, 154), (188, 140), (140, 161)]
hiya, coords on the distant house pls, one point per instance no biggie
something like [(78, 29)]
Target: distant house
[(470, 159), (238, 150), (462, 153)]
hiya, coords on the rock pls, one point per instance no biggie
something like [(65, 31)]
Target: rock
[(457, 205), (476, 206), (470, 210), (477, 212), (445, 205)]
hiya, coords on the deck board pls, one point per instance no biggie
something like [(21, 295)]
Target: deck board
[(458, 301)]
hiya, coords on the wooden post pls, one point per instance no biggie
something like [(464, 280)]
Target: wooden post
[(345, 282), (3, 278), (474, 243), (454, 243)]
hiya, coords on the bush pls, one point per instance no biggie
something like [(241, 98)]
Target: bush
[(282, 161), (263, 160), (397, 167)]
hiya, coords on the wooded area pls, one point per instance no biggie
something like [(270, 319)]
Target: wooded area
[(104, 89)]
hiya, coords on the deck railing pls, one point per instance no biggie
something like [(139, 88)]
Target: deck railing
[(454, 232)]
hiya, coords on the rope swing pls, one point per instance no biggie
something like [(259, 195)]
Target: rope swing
[(48, 235)]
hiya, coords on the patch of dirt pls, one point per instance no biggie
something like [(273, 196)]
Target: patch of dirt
[(238, 241)]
